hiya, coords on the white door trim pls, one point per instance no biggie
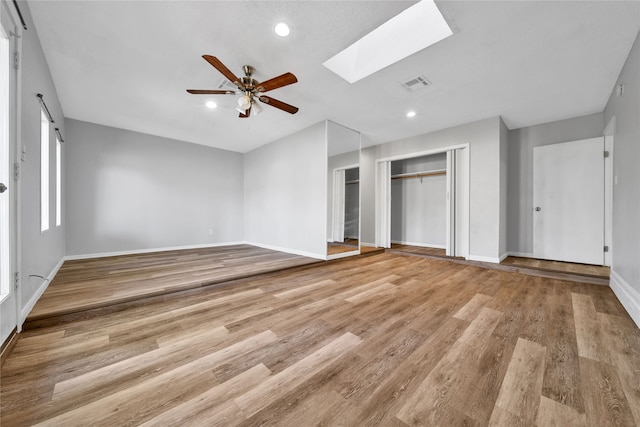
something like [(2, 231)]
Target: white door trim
[(457, 207), (609, 137)]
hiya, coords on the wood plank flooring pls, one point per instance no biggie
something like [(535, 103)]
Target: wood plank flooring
[(564, 267), (384, 340), (82, 285)]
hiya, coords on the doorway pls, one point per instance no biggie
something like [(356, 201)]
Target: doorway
[(8, 186), (447, 171), (345, 212)]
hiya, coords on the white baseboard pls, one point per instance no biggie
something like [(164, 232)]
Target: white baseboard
[(628, 297), (145, 251), (484, 259), (368, 244), (503, 256), (520, 254), (421, 245), (288, 250), (36, 296), (342, 255)]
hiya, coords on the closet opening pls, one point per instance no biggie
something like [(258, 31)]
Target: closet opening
[(422, 201), (419, 202)]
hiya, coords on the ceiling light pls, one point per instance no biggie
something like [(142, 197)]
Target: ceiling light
[(411, 114), (412, 30), (211, 104), (256, 108), (282, 29), (244, 101)]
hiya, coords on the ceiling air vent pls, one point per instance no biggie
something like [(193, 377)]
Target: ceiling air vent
[(416, 83), (227, 85)]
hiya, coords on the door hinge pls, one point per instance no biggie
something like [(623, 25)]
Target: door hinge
[(606, 154), (16, 280), (16, 171), (606, 248), (16, 60)]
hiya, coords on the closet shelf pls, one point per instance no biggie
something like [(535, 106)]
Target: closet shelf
[(357, 181), (419, 174)]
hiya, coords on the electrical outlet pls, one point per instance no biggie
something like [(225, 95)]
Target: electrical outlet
[(211, 232)]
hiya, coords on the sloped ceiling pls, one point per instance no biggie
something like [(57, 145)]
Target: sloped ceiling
[(127, 64)]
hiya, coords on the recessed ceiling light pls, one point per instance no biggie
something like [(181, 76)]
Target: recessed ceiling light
[(411, 114), (282, 29), (211, 104)]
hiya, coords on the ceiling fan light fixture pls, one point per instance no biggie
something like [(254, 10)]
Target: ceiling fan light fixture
[(282, 29), (244, 101), (256, 108), (211, 104), (411, 114)]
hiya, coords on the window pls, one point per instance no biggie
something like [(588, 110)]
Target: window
[(44, 172), (58, 183)]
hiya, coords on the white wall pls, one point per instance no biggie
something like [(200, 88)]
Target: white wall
[(41, 252), (129, 191), (625, 267), (483, 138), (285, 193), (520, 171)]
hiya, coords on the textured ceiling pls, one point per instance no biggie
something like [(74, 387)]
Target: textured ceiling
[(127, 64)]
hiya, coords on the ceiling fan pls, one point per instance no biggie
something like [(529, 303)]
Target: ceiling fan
[(250, 90)]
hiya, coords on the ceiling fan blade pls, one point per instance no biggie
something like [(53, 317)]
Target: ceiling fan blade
[(210, 92), (223, 70), (246, 113), (276, 82), (278, 104)]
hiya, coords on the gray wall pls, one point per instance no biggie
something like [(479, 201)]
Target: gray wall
[(520, 171), (483, 138), (626, 193), (40, 252), (286, 195), (129, 191)]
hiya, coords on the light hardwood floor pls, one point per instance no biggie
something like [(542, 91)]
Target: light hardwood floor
[(385, 340), (87, 284), (565, 267)]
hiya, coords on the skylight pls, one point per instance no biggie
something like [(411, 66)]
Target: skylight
[(414, 29)]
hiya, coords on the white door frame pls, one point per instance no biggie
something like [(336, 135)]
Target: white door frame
[(9, 13), (457, 201), (338, 203), (609, 136)]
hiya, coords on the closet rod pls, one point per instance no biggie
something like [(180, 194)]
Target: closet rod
[(418, 174)]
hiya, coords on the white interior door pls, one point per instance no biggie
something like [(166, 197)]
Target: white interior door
[(568, 197), (8, 307)]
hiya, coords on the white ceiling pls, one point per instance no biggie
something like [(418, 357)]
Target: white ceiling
[(127, 64)]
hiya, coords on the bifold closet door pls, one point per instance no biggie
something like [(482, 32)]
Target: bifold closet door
[(383, 205)]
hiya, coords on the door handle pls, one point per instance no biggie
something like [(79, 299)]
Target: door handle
[(3, 188), (538, 208)]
